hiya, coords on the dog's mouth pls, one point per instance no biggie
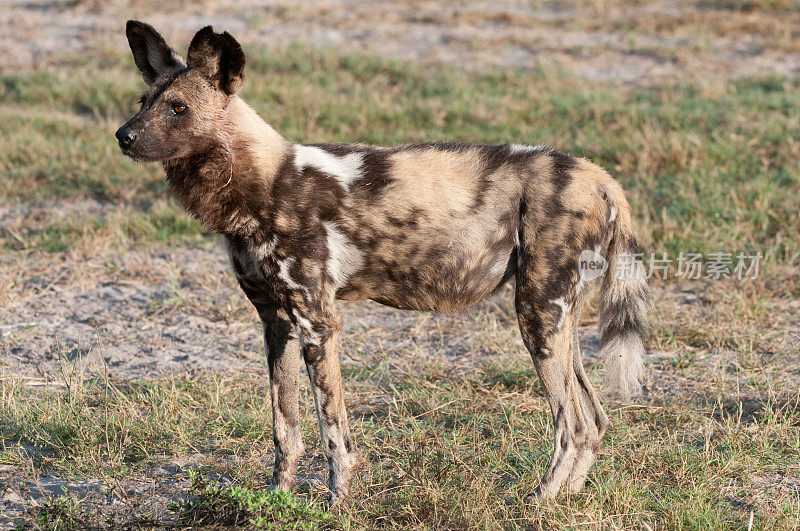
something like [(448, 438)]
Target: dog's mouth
[(128, 152), (139, 157)]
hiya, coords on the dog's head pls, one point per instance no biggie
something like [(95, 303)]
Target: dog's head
[(186, 101)]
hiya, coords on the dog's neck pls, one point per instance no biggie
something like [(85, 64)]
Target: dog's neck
[(228, 187)]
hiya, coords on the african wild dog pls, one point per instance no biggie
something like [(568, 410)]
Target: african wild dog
[(433, 227)]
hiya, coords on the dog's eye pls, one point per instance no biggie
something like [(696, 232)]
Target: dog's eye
[(178, 108)]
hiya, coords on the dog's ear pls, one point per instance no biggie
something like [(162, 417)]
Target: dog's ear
[(218, 57), (150, 51)]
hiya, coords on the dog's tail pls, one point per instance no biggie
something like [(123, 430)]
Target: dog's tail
[(624, 301)]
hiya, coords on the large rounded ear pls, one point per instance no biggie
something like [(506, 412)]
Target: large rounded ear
[(150, 51), (219, 58)]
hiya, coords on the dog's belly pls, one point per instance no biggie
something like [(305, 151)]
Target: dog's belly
[(449, 282)]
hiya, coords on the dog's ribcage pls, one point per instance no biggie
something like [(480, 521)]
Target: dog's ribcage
[(430, 227)]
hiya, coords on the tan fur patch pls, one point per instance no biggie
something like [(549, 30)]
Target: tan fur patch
[(265, 145), (442, 182)]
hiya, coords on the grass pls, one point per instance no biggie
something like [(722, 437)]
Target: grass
[(707, 168), (236, 505), (156, 222), (63, 512), (439, 452)]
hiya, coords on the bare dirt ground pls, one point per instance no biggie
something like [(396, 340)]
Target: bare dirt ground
[(144, 313)]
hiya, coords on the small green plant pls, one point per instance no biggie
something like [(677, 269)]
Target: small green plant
[(239, 505), (61, 513)]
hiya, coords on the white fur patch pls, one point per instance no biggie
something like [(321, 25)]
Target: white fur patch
[(565, 309), (307, 336), (500, 266), (522, 148), (345, 258), (346, 169), (624, 357), (284, 275)]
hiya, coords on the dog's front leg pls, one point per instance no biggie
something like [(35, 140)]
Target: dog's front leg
[(319, 334), (283, 357)]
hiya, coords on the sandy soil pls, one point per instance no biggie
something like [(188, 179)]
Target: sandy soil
[(143, 313)]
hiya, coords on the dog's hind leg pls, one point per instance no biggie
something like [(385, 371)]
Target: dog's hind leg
[(552, 356), (595, 419), (546, 302)]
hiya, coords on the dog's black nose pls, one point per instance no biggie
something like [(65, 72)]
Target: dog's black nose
[(125, 136)]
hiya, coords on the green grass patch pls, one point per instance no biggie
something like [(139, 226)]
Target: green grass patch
[(64, 512), (235, 505), (704, 169), (161, 222)]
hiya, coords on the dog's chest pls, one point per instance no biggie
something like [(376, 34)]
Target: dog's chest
[(255, 265)]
